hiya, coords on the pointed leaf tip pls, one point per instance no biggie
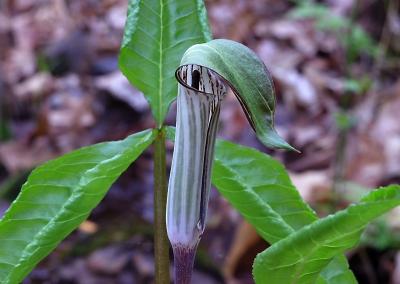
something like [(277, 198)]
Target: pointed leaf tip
[(273, 140)]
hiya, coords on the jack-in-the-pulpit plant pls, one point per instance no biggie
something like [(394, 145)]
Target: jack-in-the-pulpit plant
[(200, 94), (60, 194)]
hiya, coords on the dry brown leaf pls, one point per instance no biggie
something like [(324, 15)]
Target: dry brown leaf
[(314, 186), (245, 238), (117, 85), (34, 87), (17, 156)]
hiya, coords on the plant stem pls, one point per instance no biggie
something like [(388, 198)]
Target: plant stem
[(161, 244), (183, 262), (339, 186)]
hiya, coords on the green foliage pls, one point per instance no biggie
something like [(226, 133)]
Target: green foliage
[(300, 257), (336, 272), (353, 37), (358, 86), (380, 235), (57, 197), (44, 64), (309, 10), (249, 79), (344, 120), (260, 189), (157, 33), (358, 42)]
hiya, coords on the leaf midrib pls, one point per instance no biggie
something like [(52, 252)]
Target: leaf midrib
[(284, 224), (73, 197), (160, 75), (306, 258)]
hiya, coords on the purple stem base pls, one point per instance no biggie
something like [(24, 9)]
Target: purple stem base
[(183, 263)]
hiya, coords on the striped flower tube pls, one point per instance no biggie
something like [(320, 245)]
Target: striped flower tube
[(200, 94), (206, 71)]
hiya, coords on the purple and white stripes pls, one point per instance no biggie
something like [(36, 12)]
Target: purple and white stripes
[(200, 94)]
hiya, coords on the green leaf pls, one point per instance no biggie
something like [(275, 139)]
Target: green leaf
[(260, 189), (57, 197), (170, 133), (325, 19), (248, 78), (300, 257), (230, 180), (157, 33), (337, 272), (309, 10), (359, 41)]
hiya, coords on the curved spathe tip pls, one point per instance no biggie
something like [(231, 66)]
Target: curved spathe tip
[(247, 76), (273, 140)]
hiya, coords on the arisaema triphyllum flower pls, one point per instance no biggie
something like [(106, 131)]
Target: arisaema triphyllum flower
[(207, 71)]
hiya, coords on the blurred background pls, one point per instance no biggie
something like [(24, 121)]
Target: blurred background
[(335, 65)]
